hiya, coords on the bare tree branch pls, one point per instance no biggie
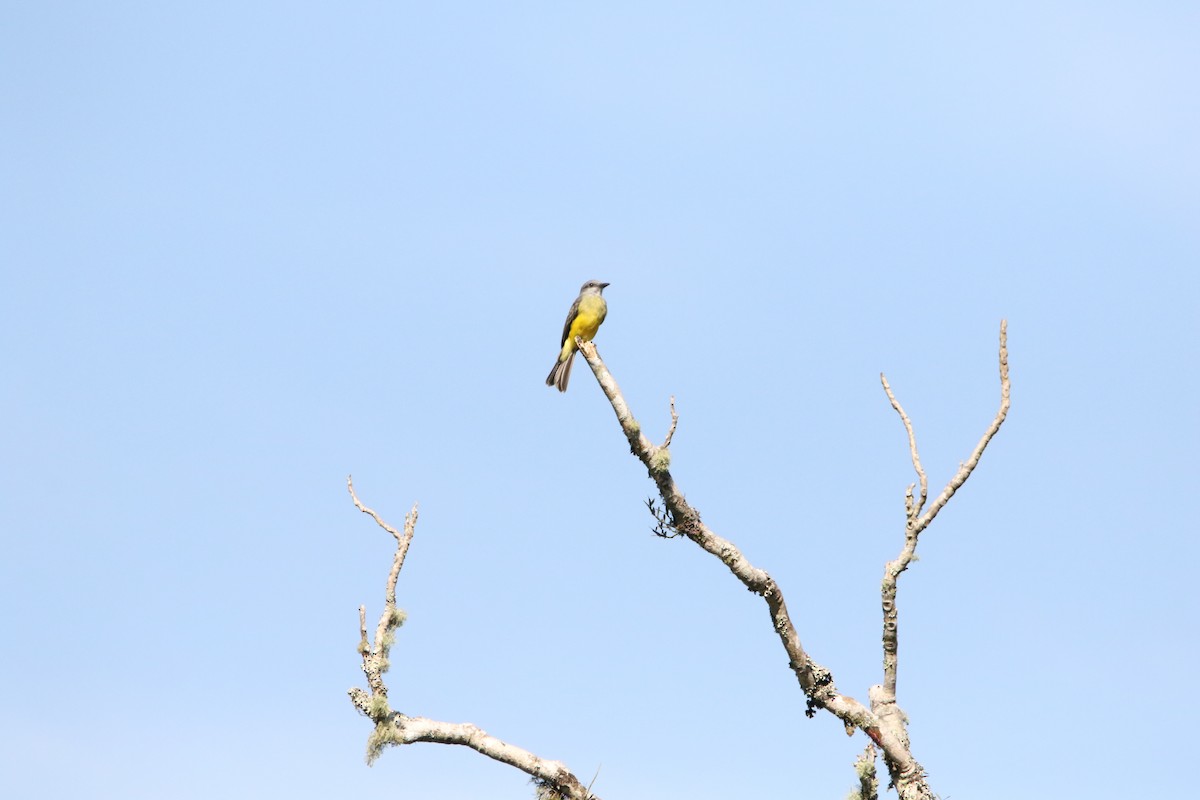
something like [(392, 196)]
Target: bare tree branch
[(815, 680), (553, 779), (883, 698), (965, 470), (913, 509), (375, 658)]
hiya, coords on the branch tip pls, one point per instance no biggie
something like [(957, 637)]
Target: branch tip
[(913, 509), (674, 421)]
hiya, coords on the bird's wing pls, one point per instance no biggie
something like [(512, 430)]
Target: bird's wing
[(571, 315)]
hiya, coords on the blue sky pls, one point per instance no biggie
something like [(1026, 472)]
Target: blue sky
[(251, 248)]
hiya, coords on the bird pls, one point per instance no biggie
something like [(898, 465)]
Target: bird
[(583, 320)]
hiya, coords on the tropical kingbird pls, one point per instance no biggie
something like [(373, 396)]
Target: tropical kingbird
[(583, 320)]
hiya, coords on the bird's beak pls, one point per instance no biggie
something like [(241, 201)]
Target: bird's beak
[(604, 285)]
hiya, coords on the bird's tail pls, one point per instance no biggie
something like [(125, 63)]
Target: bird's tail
[(561, 373)]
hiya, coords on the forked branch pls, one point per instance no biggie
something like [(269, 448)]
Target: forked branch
[(917, 518), (554, 781)]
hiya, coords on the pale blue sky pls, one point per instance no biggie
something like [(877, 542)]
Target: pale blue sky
[(250, 248)]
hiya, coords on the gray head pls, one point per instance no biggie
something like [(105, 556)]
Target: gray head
[(592, 287)]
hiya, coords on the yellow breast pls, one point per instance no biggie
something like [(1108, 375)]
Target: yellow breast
[(592, 310)]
